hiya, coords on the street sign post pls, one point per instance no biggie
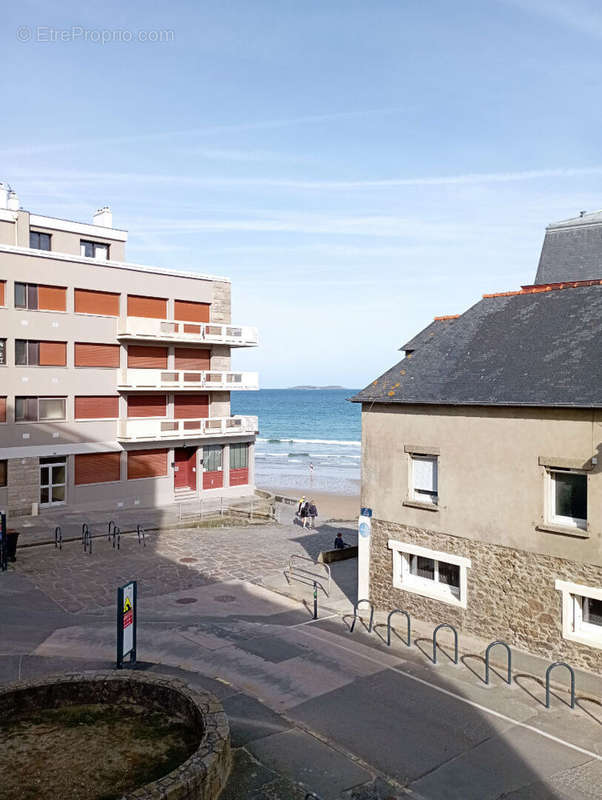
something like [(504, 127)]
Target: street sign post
[(127, 602), (364, 529)]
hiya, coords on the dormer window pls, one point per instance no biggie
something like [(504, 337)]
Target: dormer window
[(95, 250), (39, 241)]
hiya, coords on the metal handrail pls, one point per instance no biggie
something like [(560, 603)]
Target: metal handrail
[(437, 629), (309, 577), (58, 538), (407, 616), (116, 537), (112, 524), (509, 653), (355, 609), (141, 535), (572, 673)]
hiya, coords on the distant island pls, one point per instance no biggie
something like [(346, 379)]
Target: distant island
[(317, 387)]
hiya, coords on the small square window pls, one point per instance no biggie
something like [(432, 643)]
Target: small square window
[(39, 241), (96, 250), (581, 613), (567, 498), (440, 576), (3, 472), (424, 479)]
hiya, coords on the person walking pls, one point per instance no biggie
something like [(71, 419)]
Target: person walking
[(304, 513), (313, 513)]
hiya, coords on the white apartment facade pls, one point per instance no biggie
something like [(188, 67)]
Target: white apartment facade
[(117, 376)]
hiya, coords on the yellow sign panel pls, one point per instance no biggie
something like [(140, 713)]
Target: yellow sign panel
[(127, 606)]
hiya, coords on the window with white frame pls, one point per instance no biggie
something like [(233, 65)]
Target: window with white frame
[(567, 498), (424, 479), (581, 613), (431, 573)]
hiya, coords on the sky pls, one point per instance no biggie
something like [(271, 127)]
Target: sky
[(356, 168)]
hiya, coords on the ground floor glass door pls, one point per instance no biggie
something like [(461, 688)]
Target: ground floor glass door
[(53, 480)]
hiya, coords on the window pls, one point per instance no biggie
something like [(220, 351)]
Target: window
[(441, 576), (2, 352), (95, 250), (44, 298), (39, 241), (40, 354), (424, 479), (26, 295), (3, 472), (212, 458), (581, 613), (239, 456), (567, 498), (40, 409)]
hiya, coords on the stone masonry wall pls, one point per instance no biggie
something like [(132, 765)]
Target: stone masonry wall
[(511, 592), (221, 306), (23, 484)]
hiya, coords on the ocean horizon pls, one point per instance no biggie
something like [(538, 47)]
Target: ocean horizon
[(303, 427)]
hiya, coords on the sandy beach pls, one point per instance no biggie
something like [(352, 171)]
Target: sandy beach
[(330, 506)]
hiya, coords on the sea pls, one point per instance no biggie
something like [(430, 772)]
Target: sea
[(307, 437)]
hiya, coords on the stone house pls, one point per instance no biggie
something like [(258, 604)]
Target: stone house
[(482, 453)]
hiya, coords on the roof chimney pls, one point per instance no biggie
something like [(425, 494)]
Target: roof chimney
[(13, 201), (582, 213), (3, 195), (103, 217)]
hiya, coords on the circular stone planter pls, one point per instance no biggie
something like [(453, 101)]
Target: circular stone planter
[(200, 777)]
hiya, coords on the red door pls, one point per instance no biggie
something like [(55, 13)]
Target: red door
[(185, 468)]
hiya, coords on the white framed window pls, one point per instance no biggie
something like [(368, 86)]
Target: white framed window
[(430, 573), (566, 498), (424, 479), (97, 250), (581, 613)]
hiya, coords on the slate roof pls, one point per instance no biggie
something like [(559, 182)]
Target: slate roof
[(527, 348), (572, 250)]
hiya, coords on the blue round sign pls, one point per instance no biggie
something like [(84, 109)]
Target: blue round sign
[(364, 529)]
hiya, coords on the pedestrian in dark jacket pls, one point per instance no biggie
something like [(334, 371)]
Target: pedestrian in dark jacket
[(304, 513), (313, 513), (339, 544)]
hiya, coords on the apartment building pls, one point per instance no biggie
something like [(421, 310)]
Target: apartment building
[(482, 462), (116, 377)]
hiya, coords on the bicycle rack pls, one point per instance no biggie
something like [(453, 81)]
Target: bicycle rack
[(116, 537), (86, 539), (355, 609), (508, 652), (58, 538), (111, 525), (572, 672), (141, 535), (455, 632), (407, 616)]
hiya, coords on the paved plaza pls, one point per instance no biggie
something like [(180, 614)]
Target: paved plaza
[(311, 706)]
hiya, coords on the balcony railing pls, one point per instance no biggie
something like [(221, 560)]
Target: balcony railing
[(165, 331), (154, 429), (212, 380)]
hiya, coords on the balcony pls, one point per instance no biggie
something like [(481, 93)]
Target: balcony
[(162, 330), (211, 380), (137, 430)]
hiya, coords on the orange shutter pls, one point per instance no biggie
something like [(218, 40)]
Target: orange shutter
[(2, 409), (187, 311), (193, 358), (191, 406), (147, 405), (52, 298), (239, 477), (97, 468), (141, 357), (147, 463), (155, 307), (53, 354), (96, 407), (88, 354), (89, 301), (2, 288)]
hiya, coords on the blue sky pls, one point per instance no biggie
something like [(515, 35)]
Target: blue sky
[(355, 167)]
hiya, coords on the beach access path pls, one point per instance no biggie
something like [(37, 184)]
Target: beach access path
[(312, 707)]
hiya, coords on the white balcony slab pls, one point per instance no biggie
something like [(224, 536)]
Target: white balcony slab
[(186, 380), (162, 330), (156, 429)]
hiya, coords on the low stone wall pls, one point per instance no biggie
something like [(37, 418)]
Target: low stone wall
[(511, 592), (201, 777), (340, 554)]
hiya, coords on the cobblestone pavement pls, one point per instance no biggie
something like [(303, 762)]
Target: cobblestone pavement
[(173, 560)]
